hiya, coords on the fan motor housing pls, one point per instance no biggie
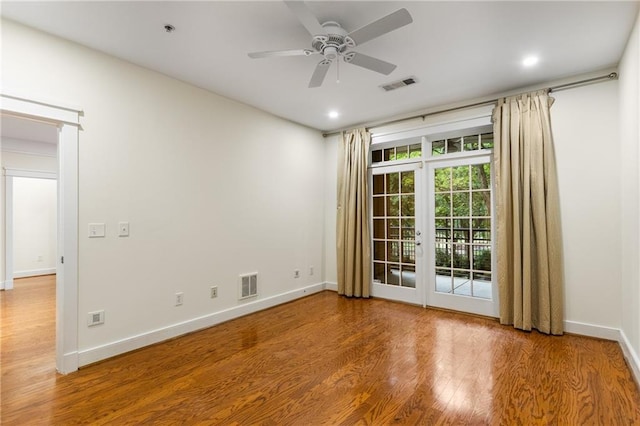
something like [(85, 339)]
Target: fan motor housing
[(334, 42)]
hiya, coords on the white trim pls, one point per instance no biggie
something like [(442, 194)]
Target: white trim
[(67, 118), (38, 174), (8, 233), (331, 286), (592, 330), (631, 356), (98, 353), (472, 119), (34, 272)]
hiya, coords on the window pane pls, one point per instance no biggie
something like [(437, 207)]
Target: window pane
[(442, 179), (389, 154), (461, 235), (481, 285), (460, 178), (392, 205), (378, 228), (407, 183), (461, 258), (462, 283), (408, 276), (443, 205), (461, 204), (378, 206), (378, 272), (481, 203), (378, 184), (454, 145), (470, 143), (402, 152), (408, 252), (487, 140), (444, 283), (393, 251), (408, 229), (393, 229), (481, 176), (393, 274), (443, 230), (415, 151), (408, 205), (378, 250), (392, 183), (376, 156), (437, 148), (482, 258), (443, 255)]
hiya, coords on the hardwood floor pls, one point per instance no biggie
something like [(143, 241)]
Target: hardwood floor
[(318, 360)]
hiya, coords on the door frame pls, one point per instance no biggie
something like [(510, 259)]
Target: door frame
[(402, 294), (67, 119)]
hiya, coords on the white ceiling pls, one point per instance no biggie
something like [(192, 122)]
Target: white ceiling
[(456, 50)]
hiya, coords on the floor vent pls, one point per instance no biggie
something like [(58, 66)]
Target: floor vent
[(398, 84), (248, 285)]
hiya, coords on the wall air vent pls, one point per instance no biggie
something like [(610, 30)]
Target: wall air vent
[(398, 84), (248, 285)]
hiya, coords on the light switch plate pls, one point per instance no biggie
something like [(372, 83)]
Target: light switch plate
[(96, 230), (123, 229)]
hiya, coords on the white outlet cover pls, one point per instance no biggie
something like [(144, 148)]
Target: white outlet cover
[(123, 229)]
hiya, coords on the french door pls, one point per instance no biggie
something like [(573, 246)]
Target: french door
[(460, 243), (396, 232)]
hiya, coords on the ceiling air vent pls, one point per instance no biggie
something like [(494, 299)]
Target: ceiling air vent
[(248, 285), (398, 84)]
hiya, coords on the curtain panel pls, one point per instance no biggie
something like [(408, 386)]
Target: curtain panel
[(352, 233), (529, 247)]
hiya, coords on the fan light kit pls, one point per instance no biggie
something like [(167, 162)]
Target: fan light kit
[(332, 41)]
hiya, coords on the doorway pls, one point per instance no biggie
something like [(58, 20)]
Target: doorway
[(67, 121)]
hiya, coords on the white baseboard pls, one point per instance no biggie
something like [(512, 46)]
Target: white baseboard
[(69, 363), (631, 356), (592, 330), (34, 273), (98, 353), (6, 285), (331, 286)]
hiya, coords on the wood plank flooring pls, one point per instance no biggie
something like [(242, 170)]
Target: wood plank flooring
[(319, 360)]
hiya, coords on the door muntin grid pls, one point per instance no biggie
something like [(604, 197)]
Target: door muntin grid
[(462, 219), (394, 241)]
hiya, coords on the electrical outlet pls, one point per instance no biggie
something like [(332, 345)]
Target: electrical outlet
[(95, 318), (179, 298), (214, 291), (310, 270), (296, 273)]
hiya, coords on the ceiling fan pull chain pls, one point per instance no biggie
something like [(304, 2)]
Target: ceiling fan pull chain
[(338, 71)]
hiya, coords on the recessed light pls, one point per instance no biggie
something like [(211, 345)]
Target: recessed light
[(530, 61), (333, 114)]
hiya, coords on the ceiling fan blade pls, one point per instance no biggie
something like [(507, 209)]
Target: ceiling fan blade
[(369, 63), (393, 21), (320, 72), (269, 54), (305, 17)]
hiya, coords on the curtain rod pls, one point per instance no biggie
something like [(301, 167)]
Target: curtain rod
[(610, 76)]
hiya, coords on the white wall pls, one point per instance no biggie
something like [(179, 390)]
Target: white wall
[(585, 129), (211, 188), (630, 186), (330, 206), (34, 226)]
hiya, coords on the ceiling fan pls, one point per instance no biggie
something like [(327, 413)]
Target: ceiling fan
[(332, 41)]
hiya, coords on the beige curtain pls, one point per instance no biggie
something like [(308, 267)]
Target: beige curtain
[(352, 231), (530, 277)]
